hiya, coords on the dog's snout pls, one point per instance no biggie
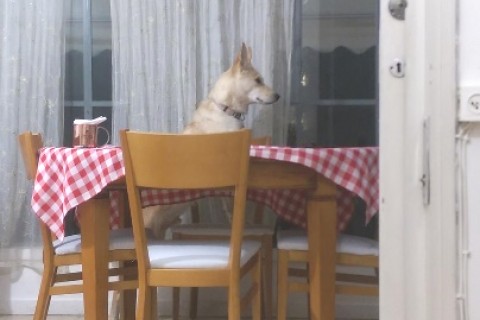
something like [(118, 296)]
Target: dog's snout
[(271, 98)]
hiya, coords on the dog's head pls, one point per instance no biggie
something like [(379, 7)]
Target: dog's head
[(242, 84), (249, 80)]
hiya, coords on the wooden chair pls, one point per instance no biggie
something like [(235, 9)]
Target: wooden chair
[(352, 251), (258, 230), (68, 252), (204, 161)]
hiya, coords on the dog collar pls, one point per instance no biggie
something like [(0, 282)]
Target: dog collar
[(237, 115)]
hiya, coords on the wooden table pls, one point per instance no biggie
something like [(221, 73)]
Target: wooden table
[(321, 227), (264, 174)]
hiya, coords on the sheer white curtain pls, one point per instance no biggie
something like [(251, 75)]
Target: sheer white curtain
[(31, 98), (167, 55)]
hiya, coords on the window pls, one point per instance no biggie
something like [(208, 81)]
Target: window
[(334, 74), (88, 66), (334, 77)]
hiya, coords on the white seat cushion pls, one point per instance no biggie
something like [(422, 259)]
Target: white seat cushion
[(68, 245), (119, 239), (197, 229), (196, 254), (297, 240)]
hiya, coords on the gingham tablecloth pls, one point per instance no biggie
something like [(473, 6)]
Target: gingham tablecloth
[(67, 177)]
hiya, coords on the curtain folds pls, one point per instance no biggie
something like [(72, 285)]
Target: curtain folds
[(167, 55), (31, 98)]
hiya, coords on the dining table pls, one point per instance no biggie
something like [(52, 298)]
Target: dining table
[(313, 188)]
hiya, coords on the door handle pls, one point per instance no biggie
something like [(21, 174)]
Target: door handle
[(397, 9)]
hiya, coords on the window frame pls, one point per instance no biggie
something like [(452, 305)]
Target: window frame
[(88, 104)]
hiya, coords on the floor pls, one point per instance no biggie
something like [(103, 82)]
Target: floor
[(81, 317)]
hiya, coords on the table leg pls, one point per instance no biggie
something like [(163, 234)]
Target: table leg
[(322, 233), (128, 298), (94, 224)]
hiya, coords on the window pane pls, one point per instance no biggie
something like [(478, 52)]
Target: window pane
[(101, 51), (101, 10), (74, 9), (102, 61), (74, 61), (334, 78)]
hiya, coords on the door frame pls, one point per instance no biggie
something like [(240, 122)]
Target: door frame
[(418, 241)]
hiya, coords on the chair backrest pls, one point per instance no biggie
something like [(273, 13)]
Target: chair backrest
[(177, 161), (259, 208), (30, 143)]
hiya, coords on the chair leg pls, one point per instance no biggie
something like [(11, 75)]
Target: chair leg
[(175, 303), (234, 304), (129, 297), (257, 281), (154, 302), (308, 293), (282, 284), (44, 297), (123, 305), (116, 313), (128, 300), (193, 302), (144, 305), (267, 286)]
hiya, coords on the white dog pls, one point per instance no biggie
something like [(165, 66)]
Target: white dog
[(223, 110), (228, 101)]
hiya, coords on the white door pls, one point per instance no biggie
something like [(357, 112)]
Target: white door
[(417, 157)]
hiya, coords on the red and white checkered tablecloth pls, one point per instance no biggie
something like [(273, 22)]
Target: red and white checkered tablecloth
[(354, 170), (67, 177)]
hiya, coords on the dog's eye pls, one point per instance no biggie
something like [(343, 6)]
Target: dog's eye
[(259, 80)]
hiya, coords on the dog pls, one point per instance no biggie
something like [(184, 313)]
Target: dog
[(227, 103), (223, 110)]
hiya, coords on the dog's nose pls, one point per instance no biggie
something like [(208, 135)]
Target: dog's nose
[(276, 97)]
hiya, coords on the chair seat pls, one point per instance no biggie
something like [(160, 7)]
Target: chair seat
[(297, 240), (199, 229), (197, 254), (120, 239)]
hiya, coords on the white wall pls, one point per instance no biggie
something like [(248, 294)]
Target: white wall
[(19, 293), (469, 74), (472, 271)]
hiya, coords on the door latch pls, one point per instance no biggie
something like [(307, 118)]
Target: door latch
[(397, 68), (397, 9), (425, 178)]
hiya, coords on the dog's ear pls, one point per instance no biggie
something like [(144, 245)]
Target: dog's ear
[(244, 58), (249, 50)]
